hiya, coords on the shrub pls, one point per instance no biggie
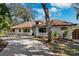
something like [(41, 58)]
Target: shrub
[(65, 33), (56, 34)]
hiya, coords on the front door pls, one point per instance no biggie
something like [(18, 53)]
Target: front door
[(75, 34)]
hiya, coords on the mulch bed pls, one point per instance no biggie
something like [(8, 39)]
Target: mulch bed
[(3, 44)]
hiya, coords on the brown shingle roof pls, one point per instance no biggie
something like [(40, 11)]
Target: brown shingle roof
[(60, 23), (55, 23), (24, 25), (42, 23)]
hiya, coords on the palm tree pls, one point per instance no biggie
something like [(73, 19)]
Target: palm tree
[(48, 26)]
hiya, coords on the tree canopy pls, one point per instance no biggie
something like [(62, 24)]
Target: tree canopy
[(4, 18), (12, 14), (19, 13)]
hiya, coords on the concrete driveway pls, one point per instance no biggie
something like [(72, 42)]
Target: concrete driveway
[(26, 47)]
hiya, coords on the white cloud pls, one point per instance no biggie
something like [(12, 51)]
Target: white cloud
[(42, 15), (53, 9), (62, 5), (40, 12)]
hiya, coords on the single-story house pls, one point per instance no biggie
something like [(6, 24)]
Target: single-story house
[(24, 28), (38, 28)]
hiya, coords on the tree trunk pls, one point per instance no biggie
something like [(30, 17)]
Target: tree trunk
[(49, 31), (48, 25)]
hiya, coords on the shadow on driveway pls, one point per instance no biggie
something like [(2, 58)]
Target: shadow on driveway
[(20, 49)]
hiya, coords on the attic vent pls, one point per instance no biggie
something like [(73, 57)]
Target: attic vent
[(37, 23)]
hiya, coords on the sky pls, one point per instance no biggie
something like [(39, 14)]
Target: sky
[(57, 11)]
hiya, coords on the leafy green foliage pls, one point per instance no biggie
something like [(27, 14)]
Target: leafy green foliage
[(4, 18), (56, 34), (65, 33), (19, 13)]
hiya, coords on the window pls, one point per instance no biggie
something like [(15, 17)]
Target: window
[(26, 30), (19, 30), (37, 23), (13, 30), (63, 28), (42, 30)]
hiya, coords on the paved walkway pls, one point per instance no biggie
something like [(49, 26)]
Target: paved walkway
[(26, 47)]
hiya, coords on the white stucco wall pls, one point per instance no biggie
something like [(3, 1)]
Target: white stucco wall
[(17, 32), (58, 29), (37, 33)]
